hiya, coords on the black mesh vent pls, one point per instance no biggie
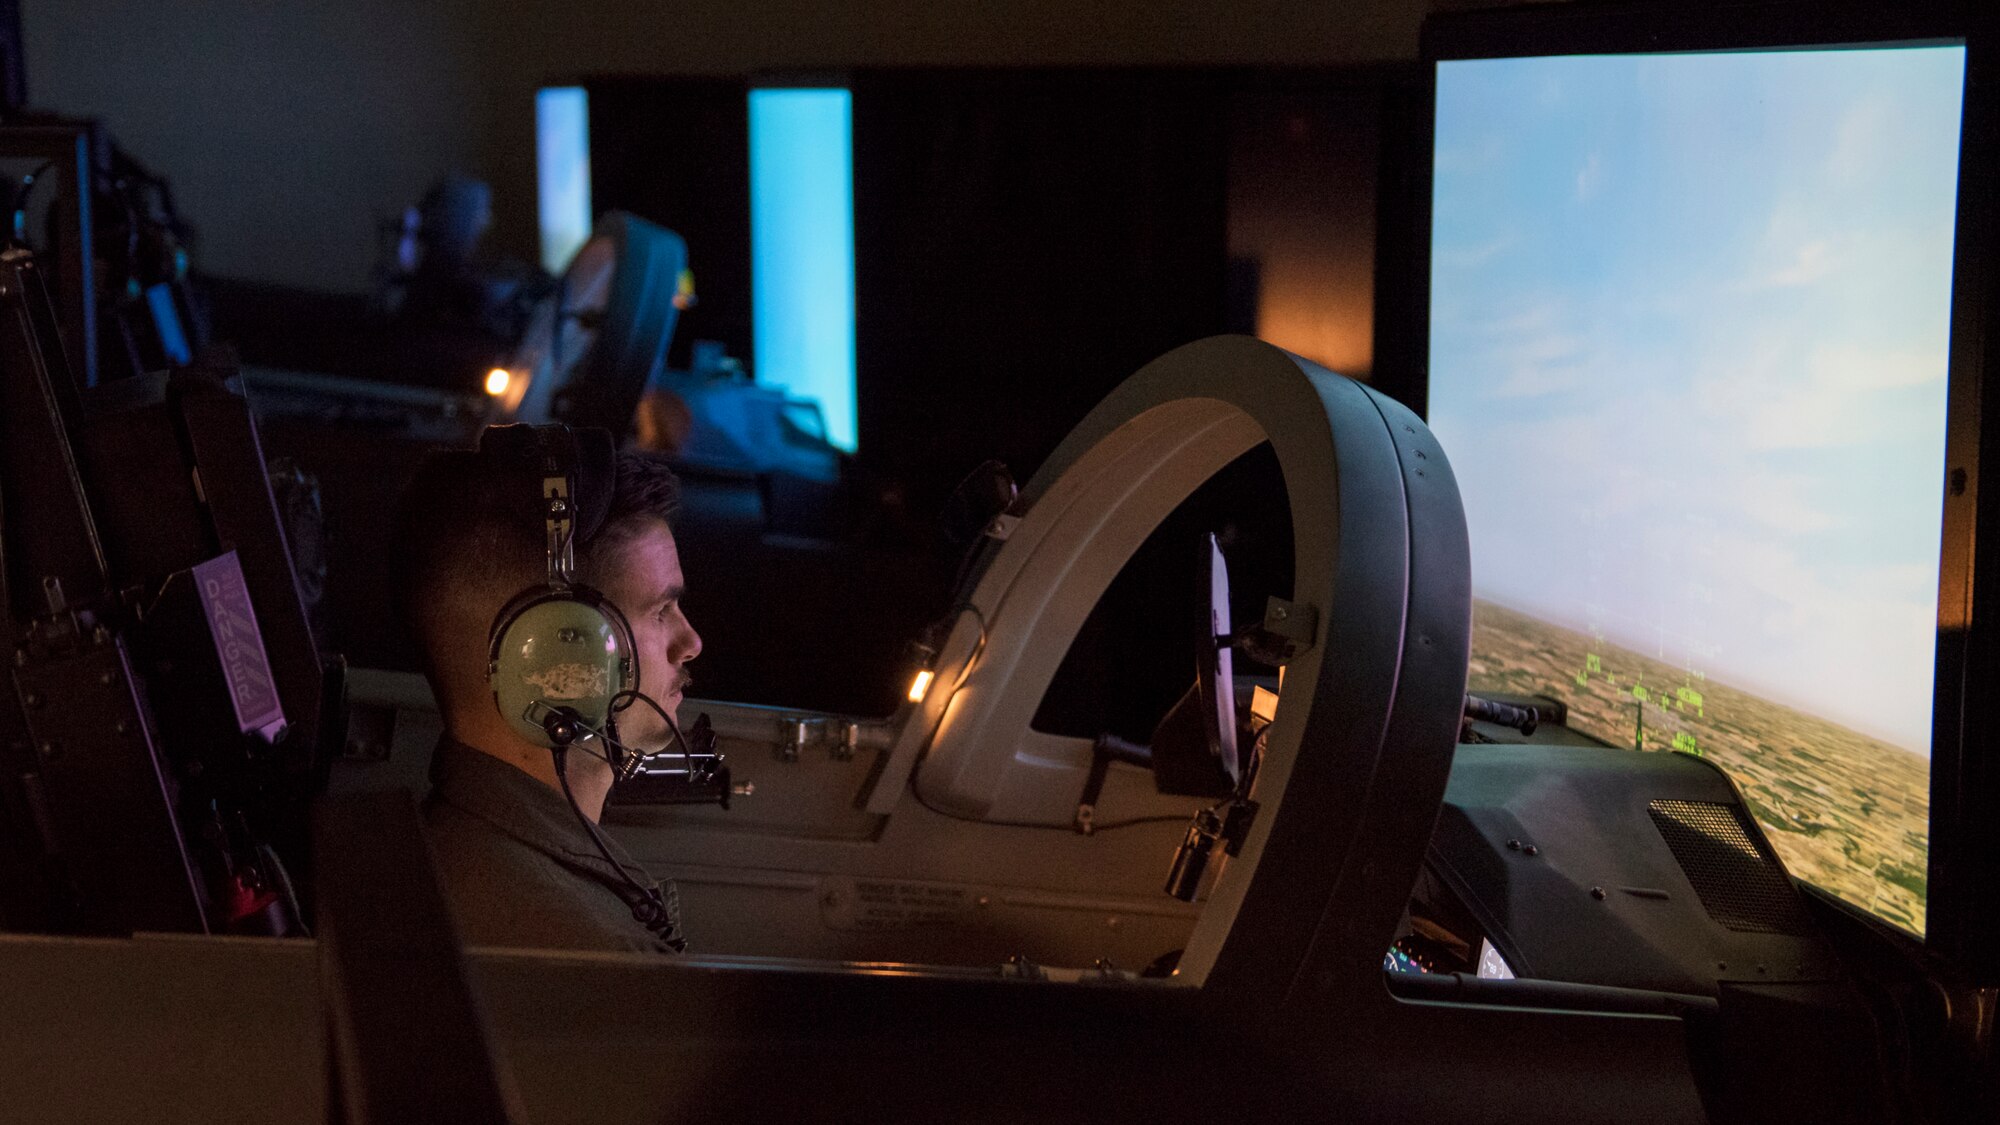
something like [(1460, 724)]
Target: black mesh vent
[(1741, 884)]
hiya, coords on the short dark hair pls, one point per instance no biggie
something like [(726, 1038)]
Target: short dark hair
[(645, 488), (471, 524)]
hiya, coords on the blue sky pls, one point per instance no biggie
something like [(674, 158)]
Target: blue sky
[(1688, 357)]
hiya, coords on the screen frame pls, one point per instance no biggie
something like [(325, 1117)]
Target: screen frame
[(1963, 903)]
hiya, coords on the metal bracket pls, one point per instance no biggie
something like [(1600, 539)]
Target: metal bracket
[(1093, 788), (1297, 622), (841, 737), (795, 734), (850, 741), (1288, 631), (1018, 967)]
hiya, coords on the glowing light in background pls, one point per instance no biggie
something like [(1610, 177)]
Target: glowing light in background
[(802, 248), (1302, 221), (497, 381), (920, 686), (562, 172)]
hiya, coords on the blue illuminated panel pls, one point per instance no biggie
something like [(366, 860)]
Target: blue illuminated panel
[(562, 166), (802, 248)]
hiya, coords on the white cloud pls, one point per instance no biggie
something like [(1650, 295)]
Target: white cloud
[(1865, 139), (1776, 501), (1529, 352), (1808, 418), (1531, 380), (1478, 254), (1848, 367), (1474, 156), (1793, 251), (1816, 415), (1740, 378), (1536, 317), (1792, 266), (1775, 393), (1809, 263), (1910, 582), (1590, 180)]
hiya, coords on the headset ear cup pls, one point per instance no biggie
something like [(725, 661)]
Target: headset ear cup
[(503, 623), (555, 652), (628, 671)]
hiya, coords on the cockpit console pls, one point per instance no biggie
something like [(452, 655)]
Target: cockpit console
[(170, 715)]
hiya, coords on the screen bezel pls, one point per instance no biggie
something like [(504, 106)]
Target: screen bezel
[(1964, 859)]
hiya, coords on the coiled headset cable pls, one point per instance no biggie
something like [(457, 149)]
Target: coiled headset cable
[(649, 907)]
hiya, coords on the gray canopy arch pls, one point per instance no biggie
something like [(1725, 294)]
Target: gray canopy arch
[(1357, 761)]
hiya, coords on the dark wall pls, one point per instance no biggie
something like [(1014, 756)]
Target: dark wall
[(13, 79), (1025, 242), (676, 151), (290, 128)]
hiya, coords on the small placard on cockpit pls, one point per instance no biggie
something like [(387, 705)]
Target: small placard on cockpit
[(856, 904)]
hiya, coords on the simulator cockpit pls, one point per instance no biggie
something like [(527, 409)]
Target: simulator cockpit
[(1577, 722)]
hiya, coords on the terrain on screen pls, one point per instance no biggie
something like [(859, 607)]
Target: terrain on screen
[(1847, 812)]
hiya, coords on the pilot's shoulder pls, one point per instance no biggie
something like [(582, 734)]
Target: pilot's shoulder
[(504, 892)]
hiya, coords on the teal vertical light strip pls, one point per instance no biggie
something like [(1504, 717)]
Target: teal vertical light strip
[(562, 172), (802, 248)]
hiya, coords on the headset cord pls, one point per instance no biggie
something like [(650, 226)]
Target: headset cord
[(629, 760), (649, 908)]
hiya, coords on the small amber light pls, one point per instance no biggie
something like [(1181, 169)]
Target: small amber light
[(497, 381), (920, 685)]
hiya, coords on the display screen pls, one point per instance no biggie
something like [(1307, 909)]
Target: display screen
[(1688, 356), (802, 249), (562, 173)]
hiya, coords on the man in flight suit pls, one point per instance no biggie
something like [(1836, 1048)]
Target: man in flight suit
[(515, 862)]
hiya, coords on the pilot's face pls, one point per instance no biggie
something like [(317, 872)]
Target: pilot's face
[(643, 577)]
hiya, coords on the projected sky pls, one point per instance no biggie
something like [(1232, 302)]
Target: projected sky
[(1688, 357)]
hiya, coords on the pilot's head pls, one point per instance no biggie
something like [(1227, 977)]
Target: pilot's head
[(470, 536)]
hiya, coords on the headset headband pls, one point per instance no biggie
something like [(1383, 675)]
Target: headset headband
[(558, 468), (578, 473)]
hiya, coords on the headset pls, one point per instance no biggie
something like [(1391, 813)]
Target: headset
[(560, 653), (561, 660)]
